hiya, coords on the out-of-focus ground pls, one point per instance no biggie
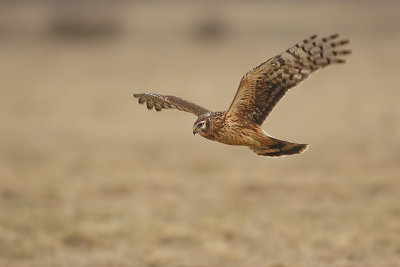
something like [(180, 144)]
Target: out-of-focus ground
[(90, 178)]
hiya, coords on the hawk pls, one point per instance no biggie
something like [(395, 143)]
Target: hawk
[(258, 93)]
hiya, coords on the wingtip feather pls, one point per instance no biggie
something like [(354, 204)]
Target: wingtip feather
[(334, 36), (136, 94)]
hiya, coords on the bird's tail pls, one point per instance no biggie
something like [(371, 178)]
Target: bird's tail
[(277, 148)]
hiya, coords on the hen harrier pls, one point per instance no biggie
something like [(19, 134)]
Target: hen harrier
[(259, 91)]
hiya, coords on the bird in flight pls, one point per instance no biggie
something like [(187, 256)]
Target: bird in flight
[(258, 93)]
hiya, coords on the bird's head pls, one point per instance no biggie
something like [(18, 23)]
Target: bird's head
[(202, 125)]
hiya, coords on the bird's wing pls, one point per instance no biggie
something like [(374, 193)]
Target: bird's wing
[(261, 88), (160, 102)]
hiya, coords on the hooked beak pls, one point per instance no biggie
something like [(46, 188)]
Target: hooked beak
[(195, 129)]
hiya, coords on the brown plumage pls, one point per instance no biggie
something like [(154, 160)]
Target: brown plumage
[(259, 91)]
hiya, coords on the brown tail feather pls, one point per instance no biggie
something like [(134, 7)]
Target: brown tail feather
[(278, 148)]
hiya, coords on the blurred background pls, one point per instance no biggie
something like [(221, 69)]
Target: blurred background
[(88, 177)]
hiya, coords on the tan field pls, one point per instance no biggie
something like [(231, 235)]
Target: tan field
[(88, 177)]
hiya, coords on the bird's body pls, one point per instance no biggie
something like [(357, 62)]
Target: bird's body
[(229, 130), (237, 131), (258, 92)]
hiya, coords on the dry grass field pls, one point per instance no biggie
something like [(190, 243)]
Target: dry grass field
[(90, 178)]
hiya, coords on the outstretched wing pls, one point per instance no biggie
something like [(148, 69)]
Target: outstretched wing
[(160, 102), (261, 88)]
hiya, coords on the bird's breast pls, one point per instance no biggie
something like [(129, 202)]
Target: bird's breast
[(236, 134)]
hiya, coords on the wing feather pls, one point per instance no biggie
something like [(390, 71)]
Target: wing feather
[(159, 102), (261, 88)]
